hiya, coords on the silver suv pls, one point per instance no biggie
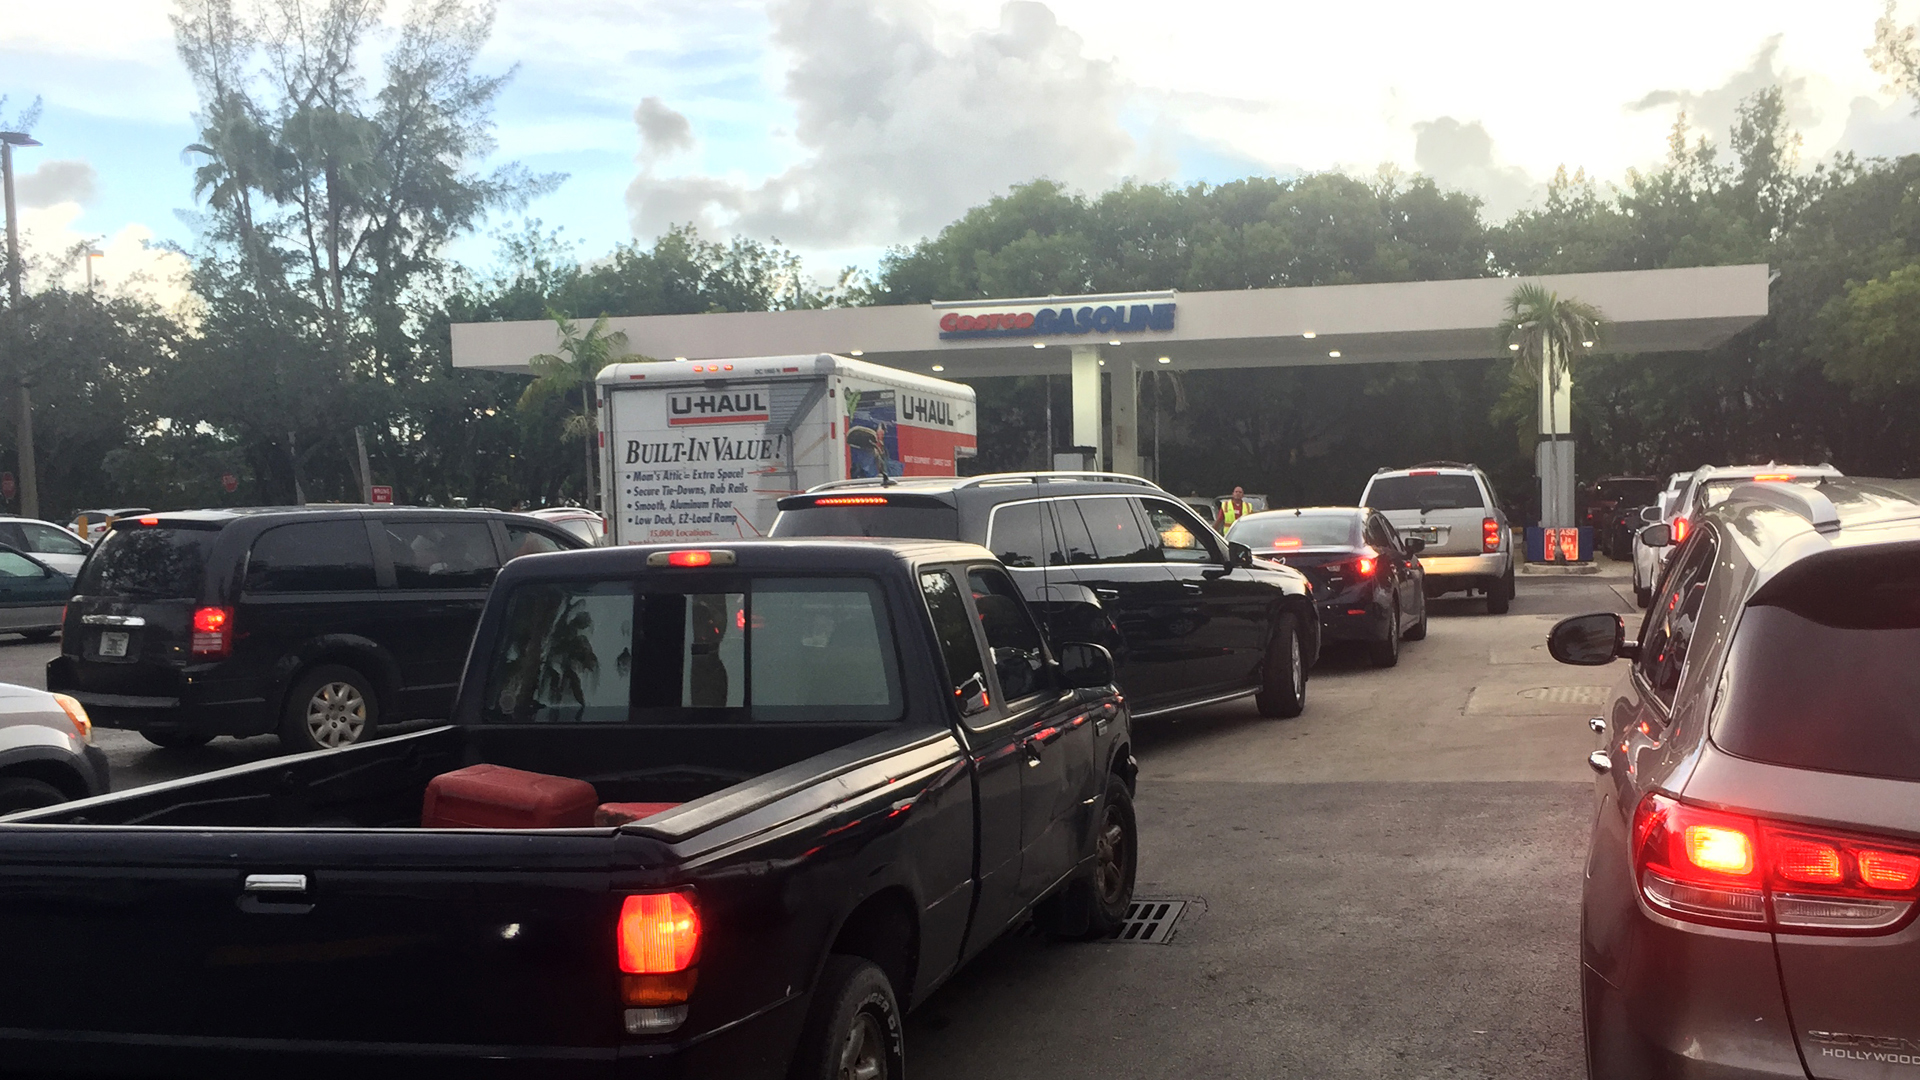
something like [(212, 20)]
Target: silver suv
[(1453, 508)]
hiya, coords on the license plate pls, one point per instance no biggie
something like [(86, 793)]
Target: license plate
[(113, 643)]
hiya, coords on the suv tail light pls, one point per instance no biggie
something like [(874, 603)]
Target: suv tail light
[(1735, 870), (657, 940), (212, 631), (1680, 529), (1489, 534)]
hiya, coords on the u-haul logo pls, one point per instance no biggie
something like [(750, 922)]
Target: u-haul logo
[(925, 411), (717, 407)]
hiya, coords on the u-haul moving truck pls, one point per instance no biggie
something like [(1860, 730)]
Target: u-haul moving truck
[(700, 450)]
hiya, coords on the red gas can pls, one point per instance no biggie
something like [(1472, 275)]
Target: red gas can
[(496, 797)]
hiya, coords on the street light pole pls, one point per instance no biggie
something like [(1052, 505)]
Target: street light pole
[(29, 483)]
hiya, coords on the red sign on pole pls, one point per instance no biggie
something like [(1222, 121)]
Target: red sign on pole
[(6, 485), (383, 493), (230, 482)]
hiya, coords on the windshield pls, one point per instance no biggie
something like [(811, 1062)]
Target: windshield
[(1290, 531), (737, 650), (1825, 676), (148, 562), (1424, 492)]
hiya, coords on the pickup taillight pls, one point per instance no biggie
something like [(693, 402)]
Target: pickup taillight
[(658, 941), (1725, 869), (1489, 534), (212, 631)]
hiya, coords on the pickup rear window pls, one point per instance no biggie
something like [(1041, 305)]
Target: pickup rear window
[(148, 562), (741, 650), (1435, 492), (1823, 673)]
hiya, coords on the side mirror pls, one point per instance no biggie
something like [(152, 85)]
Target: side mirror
[(1657, 536), (1239, 554), (1591, 640), (1649, 515), (1413, 544), (1084, 666), (973, 695)]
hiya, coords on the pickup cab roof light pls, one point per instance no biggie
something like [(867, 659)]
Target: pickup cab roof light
[(691, 558), (851, 500)]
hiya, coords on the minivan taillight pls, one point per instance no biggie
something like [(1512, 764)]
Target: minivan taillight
[(1735, 870), (658, 940), (1489, 534), (212, 631)]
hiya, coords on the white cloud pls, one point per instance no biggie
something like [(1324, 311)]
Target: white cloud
[(1461, 156), (55, 182), (53, 249), (900, 125)]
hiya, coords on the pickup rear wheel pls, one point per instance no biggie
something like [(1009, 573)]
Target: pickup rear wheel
[(331, 706), (1095, 904), (853, 1027), (1283, 678)]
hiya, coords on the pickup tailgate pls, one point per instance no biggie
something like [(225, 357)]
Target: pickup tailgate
[(443, 940)]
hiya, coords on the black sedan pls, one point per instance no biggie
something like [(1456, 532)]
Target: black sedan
[(1367, 580)]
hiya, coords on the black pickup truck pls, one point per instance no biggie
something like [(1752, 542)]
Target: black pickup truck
[(855, 764)]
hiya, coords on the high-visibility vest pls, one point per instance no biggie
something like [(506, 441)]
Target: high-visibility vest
[(1230, 512)]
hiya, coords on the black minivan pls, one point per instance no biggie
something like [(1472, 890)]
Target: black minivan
[(316, 624)]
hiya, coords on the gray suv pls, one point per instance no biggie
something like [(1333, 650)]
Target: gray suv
[(1754, 867), (1452, 508)]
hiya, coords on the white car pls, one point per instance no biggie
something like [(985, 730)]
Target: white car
[(59, 548), (578, 520)]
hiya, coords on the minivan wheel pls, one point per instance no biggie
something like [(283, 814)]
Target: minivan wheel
[(25, 793), (176, 740), (330, 707), (1283, 678), (853, 1029)]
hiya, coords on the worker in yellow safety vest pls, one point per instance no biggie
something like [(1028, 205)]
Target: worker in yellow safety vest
[(1232, 510)]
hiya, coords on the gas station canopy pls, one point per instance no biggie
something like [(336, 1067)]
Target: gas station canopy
[(1681, 310)]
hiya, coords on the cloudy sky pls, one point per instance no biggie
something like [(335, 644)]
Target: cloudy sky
[(843, 126)]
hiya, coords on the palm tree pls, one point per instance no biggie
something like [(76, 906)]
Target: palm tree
[(577, 362), (1545, 331)]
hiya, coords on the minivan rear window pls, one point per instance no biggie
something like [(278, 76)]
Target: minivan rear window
[(149, 562), (1436, 492), (1823, 674)]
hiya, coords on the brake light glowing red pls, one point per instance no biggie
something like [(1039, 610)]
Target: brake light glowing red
[(1773, 476), (690, 558), (212, 631), (1365, 565), (1423, 472), (1489, 534), (149, 520), (1286, 542), (1710, 866), (659, 933), (851, 500), (1680, 529)]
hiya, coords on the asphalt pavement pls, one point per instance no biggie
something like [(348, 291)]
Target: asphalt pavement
[(1386, 886)]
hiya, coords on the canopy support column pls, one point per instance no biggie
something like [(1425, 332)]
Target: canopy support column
[(1086, 401)]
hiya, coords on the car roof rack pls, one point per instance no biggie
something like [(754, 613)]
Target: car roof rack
[(1055, 478), (1801, 499)]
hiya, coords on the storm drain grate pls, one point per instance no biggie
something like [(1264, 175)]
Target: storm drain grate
[(1150, 922)]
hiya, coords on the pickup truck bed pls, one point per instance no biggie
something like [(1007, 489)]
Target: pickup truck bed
[(291, 915)]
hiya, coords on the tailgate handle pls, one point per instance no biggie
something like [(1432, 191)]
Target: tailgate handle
[(276, 883), (113, 620)]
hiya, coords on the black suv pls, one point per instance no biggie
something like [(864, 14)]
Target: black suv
[(1113, 559), (316, 624), (1754, 870)]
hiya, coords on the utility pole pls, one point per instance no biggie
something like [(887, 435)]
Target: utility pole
[(29, 482)]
